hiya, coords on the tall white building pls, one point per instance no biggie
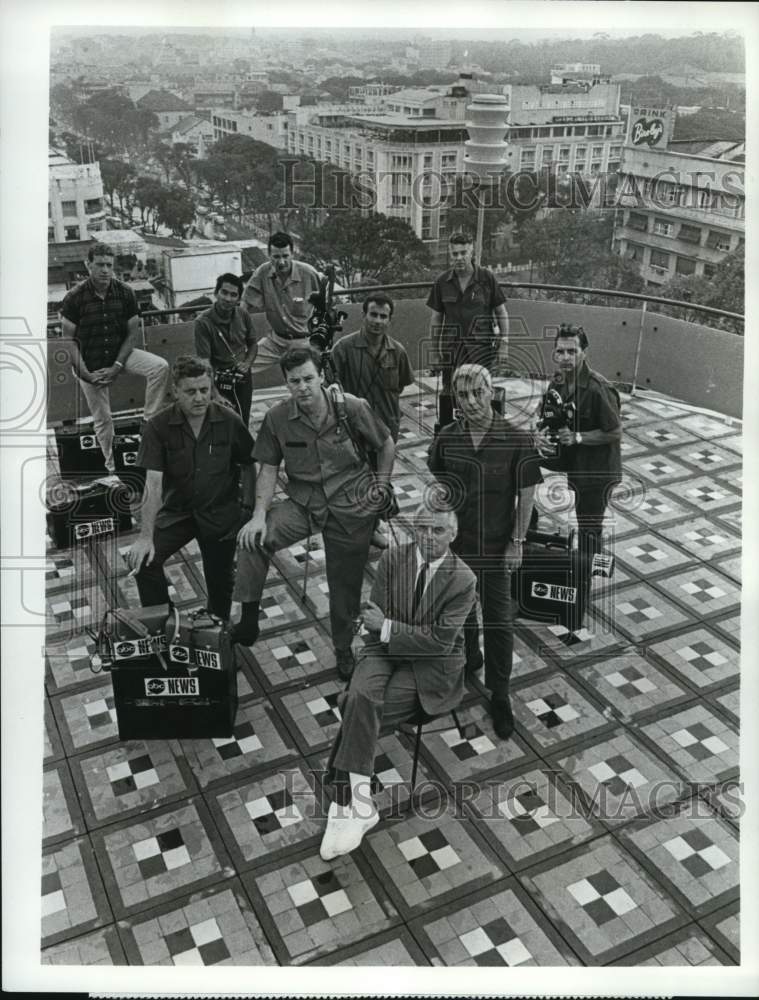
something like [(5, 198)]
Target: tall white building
[(75, 209)]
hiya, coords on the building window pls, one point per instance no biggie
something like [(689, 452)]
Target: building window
[(689, 234), (659, 261), (528, 158), (598, 152), (428, 161), (559, 133), (710, 270), (93, 205), (448, 161), (547, 154), (663, 228), (635, 252), (595, 130), (637, 221), (615, 151), (68, 207), (580, 167), (71, 233), (718, 241), (581, 152), (543, 133), (563, 153), (685, 265)]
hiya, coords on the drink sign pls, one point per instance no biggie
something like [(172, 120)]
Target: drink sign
[(650, 127)]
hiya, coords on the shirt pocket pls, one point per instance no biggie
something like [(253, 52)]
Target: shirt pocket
[(389, 376), (299, 307), (299, 457), (179, 462)]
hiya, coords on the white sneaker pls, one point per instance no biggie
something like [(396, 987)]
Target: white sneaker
[(345, 830)]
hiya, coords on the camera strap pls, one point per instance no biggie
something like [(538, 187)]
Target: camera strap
[(335, 391), (224, 342)]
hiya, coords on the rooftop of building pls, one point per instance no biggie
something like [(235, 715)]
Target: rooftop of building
[(162, 100), (605, 832)]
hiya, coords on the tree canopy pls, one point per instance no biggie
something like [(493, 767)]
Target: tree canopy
[(375, 246)]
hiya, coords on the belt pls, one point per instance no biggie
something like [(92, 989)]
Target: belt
[(291, 336)]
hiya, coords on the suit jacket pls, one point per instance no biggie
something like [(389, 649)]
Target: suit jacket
[(433, 640)]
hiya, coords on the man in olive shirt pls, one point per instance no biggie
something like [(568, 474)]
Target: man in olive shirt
[(193, 451), (464, 301), (373, 366), (491, 469), (281, 288), (328, 483), (224, 334)]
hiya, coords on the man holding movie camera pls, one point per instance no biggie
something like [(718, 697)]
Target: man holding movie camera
[(224, 335), (579, 432)]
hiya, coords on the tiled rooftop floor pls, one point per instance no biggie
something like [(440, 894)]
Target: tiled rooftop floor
[(546, 849)]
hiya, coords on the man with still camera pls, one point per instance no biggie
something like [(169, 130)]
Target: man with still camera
[(224, 335)]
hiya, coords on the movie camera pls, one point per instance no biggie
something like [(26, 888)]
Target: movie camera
[(325, 320)]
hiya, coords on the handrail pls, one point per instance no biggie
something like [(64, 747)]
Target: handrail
[(421, 285)]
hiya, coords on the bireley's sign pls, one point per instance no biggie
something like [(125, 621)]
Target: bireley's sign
[(650, 127)]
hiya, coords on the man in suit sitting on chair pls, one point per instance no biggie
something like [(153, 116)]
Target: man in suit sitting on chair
[(414, 660)]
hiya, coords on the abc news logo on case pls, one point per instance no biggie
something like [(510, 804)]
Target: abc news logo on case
[(553, 592), (177, 686)]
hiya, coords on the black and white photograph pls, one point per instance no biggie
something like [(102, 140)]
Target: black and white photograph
[(374, 510)]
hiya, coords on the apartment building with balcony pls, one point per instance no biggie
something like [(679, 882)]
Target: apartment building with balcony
[(269, 128), (681, 209), (75, 209)]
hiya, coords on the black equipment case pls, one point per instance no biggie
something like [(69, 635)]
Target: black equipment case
[(85, 510), (79, 454), (552, 584), (173, 673)]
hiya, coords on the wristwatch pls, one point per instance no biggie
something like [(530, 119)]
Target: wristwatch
[(518, 541), (578, 438)]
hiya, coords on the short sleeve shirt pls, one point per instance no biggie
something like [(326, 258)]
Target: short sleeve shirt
[(324, 470), (101, 323), (224, 341), (484, 482), (285, 303), (201, 476), (378, 379), (597, 407), (467, 314)]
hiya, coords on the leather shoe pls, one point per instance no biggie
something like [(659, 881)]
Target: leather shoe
[(345, 830), (345, 662), (503, 718), (243, 637)]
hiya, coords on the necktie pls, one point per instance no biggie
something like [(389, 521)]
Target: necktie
[(419, 589)]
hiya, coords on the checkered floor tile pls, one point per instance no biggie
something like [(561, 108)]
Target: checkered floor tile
[(696, 855), (661, 435), (655, 507), (65, 569), (529, 816), (596, 637), (605, 903), (730, 701), (703, 538), (734, 442), (317, 594), (731, 567), (266, 816), (70, 613), (526, 662), (474, 750), (86, 718), (52, 747), (399, 950), (313, 714), (707, 494), (502, 929), (687, 947), (697, 742), (292, 658), (621, 780), (166, 854), (660, 408), (631, 685), (184, 587), (702, 590), (554, 712), (259, 740), (278, 607), (730, 627), (656, 469), (310, 906), (292, 561), (709, 458), (216, 927), (706, 427), (648, 554), (99, 948), (61, 815), (128, 778), (69, 662), (73, 898), (425, 859), (640, 612), (700, 657)]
